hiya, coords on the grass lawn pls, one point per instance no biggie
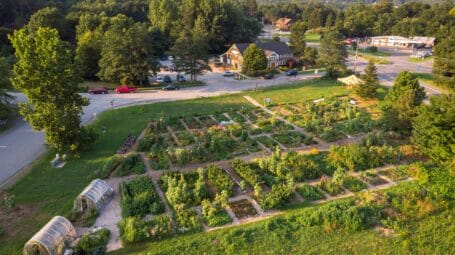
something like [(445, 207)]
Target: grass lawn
[(301, 92), (376, 59), (429, 79), (377, 53), (285, 235), (420, 60), (312, 37)]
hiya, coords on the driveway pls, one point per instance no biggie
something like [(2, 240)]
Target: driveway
[(20, 145)]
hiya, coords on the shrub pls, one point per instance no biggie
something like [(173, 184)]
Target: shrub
[(219, 179), (9, 201), (132, 164), (93, 242), (140, 198), (214, 215), (105, 171), (353, 184), (310, 193), (277, 197), (132, 230), (245, 171)]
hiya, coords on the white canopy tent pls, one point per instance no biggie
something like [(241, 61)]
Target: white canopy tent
[(350, 80)]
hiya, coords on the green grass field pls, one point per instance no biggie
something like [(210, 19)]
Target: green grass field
[(377, 53), (419, 60), (298, 93), (284, 235), (429, 79), (312, 37)]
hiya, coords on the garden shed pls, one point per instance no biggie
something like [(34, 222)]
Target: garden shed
[(94, 196), (52, 239)]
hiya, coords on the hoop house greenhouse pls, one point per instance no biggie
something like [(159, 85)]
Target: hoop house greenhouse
[(52, 239), (94, 196)]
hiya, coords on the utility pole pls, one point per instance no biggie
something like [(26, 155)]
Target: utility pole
[(355, 58)]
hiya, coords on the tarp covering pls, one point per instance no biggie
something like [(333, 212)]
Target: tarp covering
[(350, 80), (52, 238), (94, 196)]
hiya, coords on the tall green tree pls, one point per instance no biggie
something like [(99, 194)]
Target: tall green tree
[(191, 51), (444, 62), (252, 7), (434, 128), (332, 53), (127, 54), (5, 83), (163, 14), (53, 18), (370, 84), (46, 73), (401, 101), (297, 40), (254, 59)]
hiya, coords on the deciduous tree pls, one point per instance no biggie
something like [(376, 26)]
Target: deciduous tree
[(333, 54), (48, 76), (254, 59), (434, 128), (297, 40)]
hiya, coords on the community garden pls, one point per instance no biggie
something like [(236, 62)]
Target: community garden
[(219, 162)]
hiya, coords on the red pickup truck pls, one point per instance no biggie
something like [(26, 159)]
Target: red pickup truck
[(125, 89)]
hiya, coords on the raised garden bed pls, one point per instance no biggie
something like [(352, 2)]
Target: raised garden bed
[(330, 187), (395, 174), (243, 209), (310, 193), (267, 141), (372, 178), (131, 164), (353, 184), (192, 123), (207, 121), (237, 117), (185, 138)]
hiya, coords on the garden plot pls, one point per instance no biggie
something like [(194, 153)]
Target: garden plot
[(372, 178), (194, 140), (243, 209), (310, 193), (395, 173), (330, 119)]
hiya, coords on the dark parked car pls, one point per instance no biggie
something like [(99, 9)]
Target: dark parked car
[(228, 74), (291, 73), (181, 78), (171, 87), (100, 90), (268, 76), (167, 79)]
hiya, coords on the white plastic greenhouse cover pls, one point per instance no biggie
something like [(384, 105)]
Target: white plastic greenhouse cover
[(53, 235), (97, 191)]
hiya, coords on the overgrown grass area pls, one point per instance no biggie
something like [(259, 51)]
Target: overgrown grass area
[(379, 60), (301, 92), (288, 234)]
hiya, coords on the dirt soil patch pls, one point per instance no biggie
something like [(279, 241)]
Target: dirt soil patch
[(242, 209)]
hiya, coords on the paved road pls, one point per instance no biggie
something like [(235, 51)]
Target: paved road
[(19, 146)]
